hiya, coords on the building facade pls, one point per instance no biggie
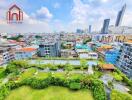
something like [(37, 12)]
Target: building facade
[(124, 62), (6, 55), (111, 56), (90, 29), (24, 53), (51, 49), (120, 16), (7, 52), (105, 26)]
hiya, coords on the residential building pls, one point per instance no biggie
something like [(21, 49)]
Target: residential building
[(6, 55), (67, 45), (120, 16), (105, 26), (68, 53), (85, 54), (26, 52), (124, 62), (50, 49), (111, 56)]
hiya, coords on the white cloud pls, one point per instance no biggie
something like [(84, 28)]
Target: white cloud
[(29, 24), (58, 26), (85, 13), (56, 5), (104, 1), (42, 14), (127, 19)]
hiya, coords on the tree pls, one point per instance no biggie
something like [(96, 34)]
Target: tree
[(83, 64), (68, 67), (38, 37), (11, 69), (85, 41)]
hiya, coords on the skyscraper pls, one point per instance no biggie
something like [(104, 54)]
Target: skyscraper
[(120, 16), (89, 29), (105, 26)]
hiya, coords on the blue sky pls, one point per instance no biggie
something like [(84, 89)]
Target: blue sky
[(64, 15)]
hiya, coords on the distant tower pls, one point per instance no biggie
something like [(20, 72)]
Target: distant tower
[(89, 29), (80, 31), (105, 26), (120, 16)]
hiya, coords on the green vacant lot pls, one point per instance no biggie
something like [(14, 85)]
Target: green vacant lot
[(50, 93)]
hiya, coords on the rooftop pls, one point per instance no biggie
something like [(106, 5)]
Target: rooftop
[(27, 49), (129, 41), (107, 66)]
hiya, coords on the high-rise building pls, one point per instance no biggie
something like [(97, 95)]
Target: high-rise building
[(120, 16), (80, 31), (105, 26), (89, 29), (124, 62)]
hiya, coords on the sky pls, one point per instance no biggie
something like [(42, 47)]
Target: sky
[(63, 15)]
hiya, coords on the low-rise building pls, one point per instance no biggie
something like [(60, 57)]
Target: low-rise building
[(107, 67), (67, 53), (25, 52)]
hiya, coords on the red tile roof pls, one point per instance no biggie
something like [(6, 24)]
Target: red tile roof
[(108, 66), (27, 49)]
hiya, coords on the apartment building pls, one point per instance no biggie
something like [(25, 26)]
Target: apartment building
[(7, 52), (124, 62), (6, 55), (49, 49)]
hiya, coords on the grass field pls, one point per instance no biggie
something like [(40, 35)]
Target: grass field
[(50, 93)]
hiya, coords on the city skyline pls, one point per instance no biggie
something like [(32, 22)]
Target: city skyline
[(66, 15)]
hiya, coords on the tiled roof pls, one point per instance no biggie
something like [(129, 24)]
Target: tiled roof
[(107, 66), (27, 49)]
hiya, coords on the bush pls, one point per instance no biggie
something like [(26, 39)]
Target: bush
[(75, 86), (77, 67), (117, 77), (4, 91), (20, 63), (36, 83), (54, 68), (116, 95), (60, 66), (2, 73), (98, 90), (42, 66), (83, 64), (68, 67), (125, 78), (12, 69), (97, 74), (110, 84)]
